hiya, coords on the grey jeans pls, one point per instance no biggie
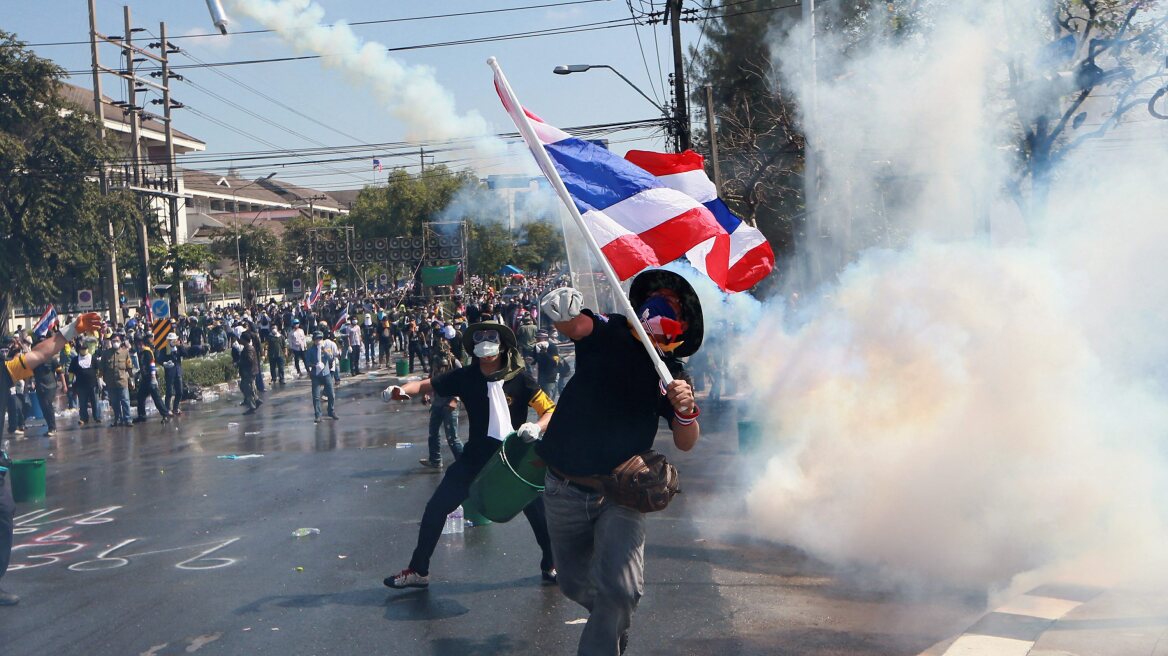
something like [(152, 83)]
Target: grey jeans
[(599, 548)]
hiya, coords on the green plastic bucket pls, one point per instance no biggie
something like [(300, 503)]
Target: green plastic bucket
[(403, 367), (28, 480), (512, 479), (472, 514), (344, 365), (749, 435)]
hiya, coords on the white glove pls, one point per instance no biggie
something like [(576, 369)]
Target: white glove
[(394, 393), (561, 304), (529, 432)]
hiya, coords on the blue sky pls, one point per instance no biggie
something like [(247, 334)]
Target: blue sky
[(326, 97)]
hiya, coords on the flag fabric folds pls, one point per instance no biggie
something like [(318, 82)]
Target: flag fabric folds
[(637, 221), (342, 319), (739, 256), (314, 296), (46, 323), (376, 165)]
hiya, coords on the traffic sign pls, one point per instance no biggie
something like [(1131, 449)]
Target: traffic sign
[(160, 308), (384, 277), (297, 285), (85, 299), (162, 328)]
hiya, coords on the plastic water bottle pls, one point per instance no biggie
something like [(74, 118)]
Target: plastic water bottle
[(454, 522), (305, 532), (103, 407)]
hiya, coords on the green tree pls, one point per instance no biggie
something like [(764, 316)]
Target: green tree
[(489, 248), (52, 220), (401, 207), (542, 246), (760, 143), (256, 250)]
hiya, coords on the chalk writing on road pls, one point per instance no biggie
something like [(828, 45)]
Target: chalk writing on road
[(56, 539)]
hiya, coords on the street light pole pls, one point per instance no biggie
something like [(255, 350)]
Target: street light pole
[(568, 69)]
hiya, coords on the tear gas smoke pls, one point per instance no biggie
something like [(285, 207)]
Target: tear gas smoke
[(954, 407), (412, 94)]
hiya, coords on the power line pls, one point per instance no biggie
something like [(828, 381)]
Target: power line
[(368, 22), (553, 31)]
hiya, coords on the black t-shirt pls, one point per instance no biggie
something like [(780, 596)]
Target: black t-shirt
[(610, 409), (470, 385)]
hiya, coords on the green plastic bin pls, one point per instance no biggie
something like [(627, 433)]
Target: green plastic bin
[(749, 435), (28, 480), (344, 365), (472, 514), (512, 479), (403, 367)]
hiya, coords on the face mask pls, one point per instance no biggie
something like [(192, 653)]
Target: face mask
[(117, 345), (486, 349)]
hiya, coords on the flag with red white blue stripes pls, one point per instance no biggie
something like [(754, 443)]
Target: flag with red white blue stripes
[(637, 221), (314, 296), (739, 256), (46, 323)]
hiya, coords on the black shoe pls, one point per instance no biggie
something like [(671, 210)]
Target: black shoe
[(139, 420), (334, 417), (550, 576), (426, 462), (8, 599)]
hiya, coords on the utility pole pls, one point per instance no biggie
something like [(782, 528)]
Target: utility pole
[(136, 147), (810, 158), (115, 306), (422, 158), (171, 182), (681, 110), (713, 132)]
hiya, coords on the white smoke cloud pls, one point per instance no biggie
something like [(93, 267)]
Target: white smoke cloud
[(412, 94), (956, 409)]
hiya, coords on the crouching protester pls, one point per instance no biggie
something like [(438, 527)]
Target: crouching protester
[(602, 431), (497, 392), (16, 369)]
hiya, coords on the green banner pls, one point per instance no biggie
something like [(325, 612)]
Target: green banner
[(439, 275)]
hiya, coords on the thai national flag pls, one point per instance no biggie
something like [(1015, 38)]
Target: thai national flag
[(46, 323), (313, 297), (637, 221), (342, 319), (739, 256)]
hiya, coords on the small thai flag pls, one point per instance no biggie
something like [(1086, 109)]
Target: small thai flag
[(47, 322), (376, 165), (313, 297), (342, 319)]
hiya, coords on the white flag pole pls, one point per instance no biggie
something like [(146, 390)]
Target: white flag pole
[(515, 109)]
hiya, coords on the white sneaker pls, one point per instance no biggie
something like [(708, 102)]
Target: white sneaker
[(407, 578)]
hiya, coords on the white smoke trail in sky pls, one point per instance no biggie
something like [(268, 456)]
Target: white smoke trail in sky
[(412, 94), (954, 408)]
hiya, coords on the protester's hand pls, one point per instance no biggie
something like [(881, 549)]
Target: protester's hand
[(394, 393), (561, 304), (680, 396), (529, 432), (90, 322)]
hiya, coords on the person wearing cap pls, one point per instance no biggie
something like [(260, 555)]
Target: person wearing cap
[(16, 369), (171, 359), (547, 362), (497, 393), (298, 344), (608, 413), (319, 360), (148, 381)]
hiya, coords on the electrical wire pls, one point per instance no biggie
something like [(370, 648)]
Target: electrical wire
[(367, 22)]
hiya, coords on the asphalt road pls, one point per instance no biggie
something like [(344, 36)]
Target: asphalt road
[(150, 543)]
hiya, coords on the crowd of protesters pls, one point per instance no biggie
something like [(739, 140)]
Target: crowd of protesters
[(115, 377)]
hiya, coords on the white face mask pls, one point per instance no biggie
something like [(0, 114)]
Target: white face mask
[(486, 349)]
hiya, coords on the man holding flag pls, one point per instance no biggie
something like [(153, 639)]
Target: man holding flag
[(628, 375)]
